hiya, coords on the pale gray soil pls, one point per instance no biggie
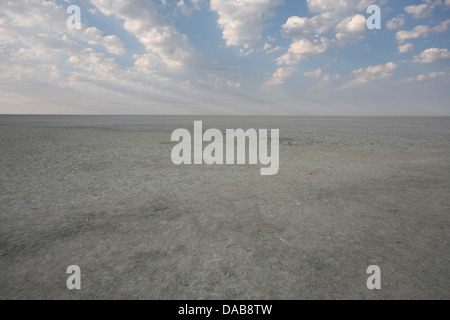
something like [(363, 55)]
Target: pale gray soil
[(103, 194)]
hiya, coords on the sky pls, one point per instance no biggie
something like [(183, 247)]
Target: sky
[(230, 57)]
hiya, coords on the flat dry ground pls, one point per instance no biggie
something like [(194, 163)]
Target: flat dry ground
[(351, 192)]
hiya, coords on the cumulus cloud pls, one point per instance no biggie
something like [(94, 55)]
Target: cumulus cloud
[(322, 80), (297, 27), (242, 21), (341, 8), (371, 73), (441, 27), (148, 63), (328, 14), (432, 55), (275, 49), (38, 29), (314, 74), (425, 9), (421, 31), (95, 63), (423, 77), (214, 82), (34, 32), (307, 32), (325, 81), (420, 11), (395, 23), (279, 77), (187, 7), (94, 36), (141, 19), (299, 49), (233, 84), (351, 29), (405, 47), (36, 46), (42, 57)]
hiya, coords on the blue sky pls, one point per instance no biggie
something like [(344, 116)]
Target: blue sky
[(257, 57)]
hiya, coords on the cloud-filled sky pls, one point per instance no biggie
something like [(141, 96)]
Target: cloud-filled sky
[(271, 57)]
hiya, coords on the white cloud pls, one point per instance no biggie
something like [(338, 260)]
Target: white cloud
[(245, 53), (421, 31), (395, 23), (214, 82), (405, 47), (148, 63), (35, 29), (329, 14), (41, 36), (329, 78), (371, 73), (342, 7), (441, 27), (37, 47), (38, 27), (277, 48), (436, 74), (158, 37), (351, 29), (425, 9), (422, 77), (279, 77), (242, 21), (297, 27), (48, 65), (432, 55), (325, 81), (299, 49), (233, 84), (314, 74), (187, 9), (420, 11), (95, 63), (94, 36)]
